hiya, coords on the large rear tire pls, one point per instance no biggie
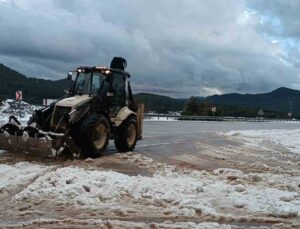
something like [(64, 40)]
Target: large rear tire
[(93, 135), (127, 135)]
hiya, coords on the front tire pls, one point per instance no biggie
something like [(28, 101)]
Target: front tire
[(94, 135), (127, 135)]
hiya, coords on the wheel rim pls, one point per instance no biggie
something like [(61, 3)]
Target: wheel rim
[(131, 134), (100, 136)]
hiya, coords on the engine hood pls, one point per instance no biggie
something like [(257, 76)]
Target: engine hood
[(74, 101)]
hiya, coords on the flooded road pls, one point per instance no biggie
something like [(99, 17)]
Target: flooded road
[(164, 139)]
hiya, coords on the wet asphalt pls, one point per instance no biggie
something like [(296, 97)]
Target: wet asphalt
[(169, 138)]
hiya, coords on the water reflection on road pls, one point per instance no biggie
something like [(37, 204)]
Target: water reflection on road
[(173, 137)]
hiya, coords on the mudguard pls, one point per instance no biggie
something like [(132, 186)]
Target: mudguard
[(122, 115), (125, 112)]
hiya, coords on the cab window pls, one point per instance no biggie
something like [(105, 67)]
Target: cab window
[(96, 83), (82, 83)]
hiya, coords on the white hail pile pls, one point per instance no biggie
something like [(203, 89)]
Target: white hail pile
[(278, 140), (186, 194)]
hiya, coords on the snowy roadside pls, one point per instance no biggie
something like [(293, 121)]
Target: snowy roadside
[(106, 224), (13, 177), (87, 193), (11, 107), (222, 195), (186, 193), (276, 140)]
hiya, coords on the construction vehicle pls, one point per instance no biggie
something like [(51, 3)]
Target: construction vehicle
[(98, 107)]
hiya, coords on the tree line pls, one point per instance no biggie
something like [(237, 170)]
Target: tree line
[(194, 106)]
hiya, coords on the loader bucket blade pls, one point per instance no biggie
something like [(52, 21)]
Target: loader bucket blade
[(15, 143)]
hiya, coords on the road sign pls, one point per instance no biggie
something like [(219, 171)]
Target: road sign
[(290, 114), (19, 95), (214, 109), (47, 102)]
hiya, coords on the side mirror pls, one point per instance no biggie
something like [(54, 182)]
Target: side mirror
[(69, 77)]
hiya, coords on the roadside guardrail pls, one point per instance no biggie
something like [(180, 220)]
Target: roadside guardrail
[(169, 117)]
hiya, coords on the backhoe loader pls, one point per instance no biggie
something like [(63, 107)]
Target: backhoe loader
[(98, 107)]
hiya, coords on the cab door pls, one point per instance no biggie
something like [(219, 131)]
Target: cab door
[(118, 99)]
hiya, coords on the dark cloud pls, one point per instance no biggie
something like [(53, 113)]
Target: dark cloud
[(173, 47), (280, 23), (280, 17)]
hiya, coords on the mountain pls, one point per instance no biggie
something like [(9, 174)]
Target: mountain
[(34, 90), (159, 103), (283, 100), (280, 101)]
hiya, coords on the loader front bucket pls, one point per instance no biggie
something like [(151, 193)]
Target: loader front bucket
[(29, 139), (14, 138), (32, 145)]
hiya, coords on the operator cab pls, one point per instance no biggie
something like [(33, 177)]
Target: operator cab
[(108, 85)]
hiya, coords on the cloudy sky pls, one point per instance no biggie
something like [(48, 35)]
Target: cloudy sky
[(173, 47)]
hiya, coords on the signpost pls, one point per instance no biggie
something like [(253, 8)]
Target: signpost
[(19, 97), (290, 114), (214, 110)]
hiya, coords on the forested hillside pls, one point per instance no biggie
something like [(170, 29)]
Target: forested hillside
[(34, 90), (159, 103), (283, 100)]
